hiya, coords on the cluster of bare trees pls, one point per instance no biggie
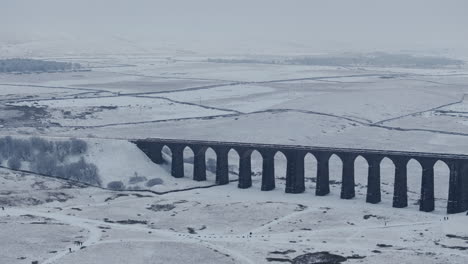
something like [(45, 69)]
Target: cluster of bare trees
[(54, 158), (30, 65)]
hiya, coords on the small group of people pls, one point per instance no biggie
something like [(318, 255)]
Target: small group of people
[(78, 243)]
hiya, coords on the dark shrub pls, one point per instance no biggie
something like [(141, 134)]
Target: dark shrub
[(161, 207), (60, 171), (7, 146), (22, 149), (78, 146), (14, 163), (45, 164), (61, 150), (83, 172), (42, 145), (3, 148), (89, 174), (153, 182), (116, 186)]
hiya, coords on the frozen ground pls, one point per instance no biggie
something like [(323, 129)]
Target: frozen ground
[(128, 97), (220, 225)]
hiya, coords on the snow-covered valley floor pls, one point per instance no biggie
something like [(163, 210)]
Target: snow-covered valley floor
[(182, 221), (217, 225)]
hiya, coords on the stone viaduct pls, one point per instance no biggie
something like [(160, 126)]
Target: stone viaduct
[(457, 164)]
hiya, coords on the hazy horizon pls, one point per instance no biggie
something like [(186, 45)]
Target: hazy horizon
[(260, 26)]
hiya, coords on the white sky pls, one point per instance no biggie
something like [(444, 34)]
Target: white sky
[(320, 25)]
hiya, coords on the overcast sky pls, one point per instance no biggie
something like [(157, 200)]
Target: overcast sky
[(311, 24)]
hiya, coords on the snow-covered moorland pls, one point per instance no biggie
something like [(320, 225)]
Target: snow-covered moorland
[(135, 212)]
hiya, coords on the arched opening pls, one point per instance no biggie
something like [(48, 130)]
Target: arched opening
[(310, 171), (280, 170), (387, 180), (166, 154), (233, 158), (414, 177), (336, 170), (188, 161), (210, 156), (441, 184), (361, 168), (257, 169)]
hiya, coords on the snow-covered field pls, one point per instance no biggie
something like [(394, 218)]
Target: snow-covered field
[(220, 225), (116, 110), (182, 221)]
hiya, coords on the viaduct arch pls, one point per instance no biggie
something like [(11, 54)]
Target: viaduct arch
[(457, 164)]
